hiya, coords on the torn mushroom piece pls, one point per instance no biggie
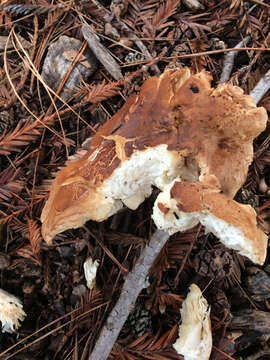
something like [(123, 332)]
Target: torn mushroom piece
[(11, 312), (177, 126), (183, 205), (195, 336), (90, 270)]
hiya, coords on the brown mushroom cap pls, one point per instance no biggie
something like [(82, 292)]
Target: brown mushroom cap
[(177, 126), (184, 204)]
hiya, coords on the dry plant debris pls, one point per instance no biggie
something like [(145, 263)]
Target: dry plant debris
[(61, 54), (229, 61), (101, 53), (135, 282), (38, 134)]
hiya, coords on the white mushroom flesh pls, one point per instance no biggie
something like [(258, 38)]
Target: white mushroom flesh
[(195, 336), (11, 312), (90, 271)]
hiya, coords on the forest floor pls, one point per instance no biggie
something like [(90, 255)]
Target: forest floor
[(40, 130)]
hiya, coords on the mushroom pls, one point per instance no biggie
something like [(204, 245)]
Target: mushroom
[(195, 336), (184, 204), (90, 270), (177, 126), (11, 312)]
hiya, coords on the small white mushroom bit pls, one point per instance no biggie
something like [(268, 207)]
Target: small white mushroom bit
[(90, 270), (11, 312), (195, 335), (177, 127)]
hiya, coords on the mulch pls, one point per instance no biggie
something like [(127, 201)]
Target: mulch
[(39, 132)]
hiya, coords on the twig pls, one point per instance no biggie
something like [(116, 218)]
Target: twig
[(225, 355), (101, 52), (261, 88), (107, 251), (261, 3), (135, 282), (27, 68), (229, 60), (183, 263), (131, 34), (139, 43)]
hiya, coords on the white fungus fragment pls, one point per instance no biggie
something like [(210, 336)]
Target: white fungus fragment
[(90, 271), (11, 312), (195, 336)]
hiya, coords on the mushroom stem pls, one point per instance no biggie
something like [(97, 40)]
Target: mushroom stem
[(134, 283)]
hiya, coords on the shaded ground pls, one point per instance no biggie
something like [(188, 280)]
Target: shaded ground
[(38, 132)]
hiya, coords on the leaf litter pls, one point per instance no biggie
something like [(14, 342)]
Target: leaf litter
[(38, 134)]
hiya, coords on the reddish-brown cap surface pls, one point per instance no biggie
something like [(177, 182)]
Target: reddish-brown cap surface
[(233, 223), (209, 130)]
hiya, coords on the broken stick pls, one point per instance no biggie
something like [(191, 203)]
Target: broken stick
[(135, 282), (261, 88), (101, 52), (229, 61)]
